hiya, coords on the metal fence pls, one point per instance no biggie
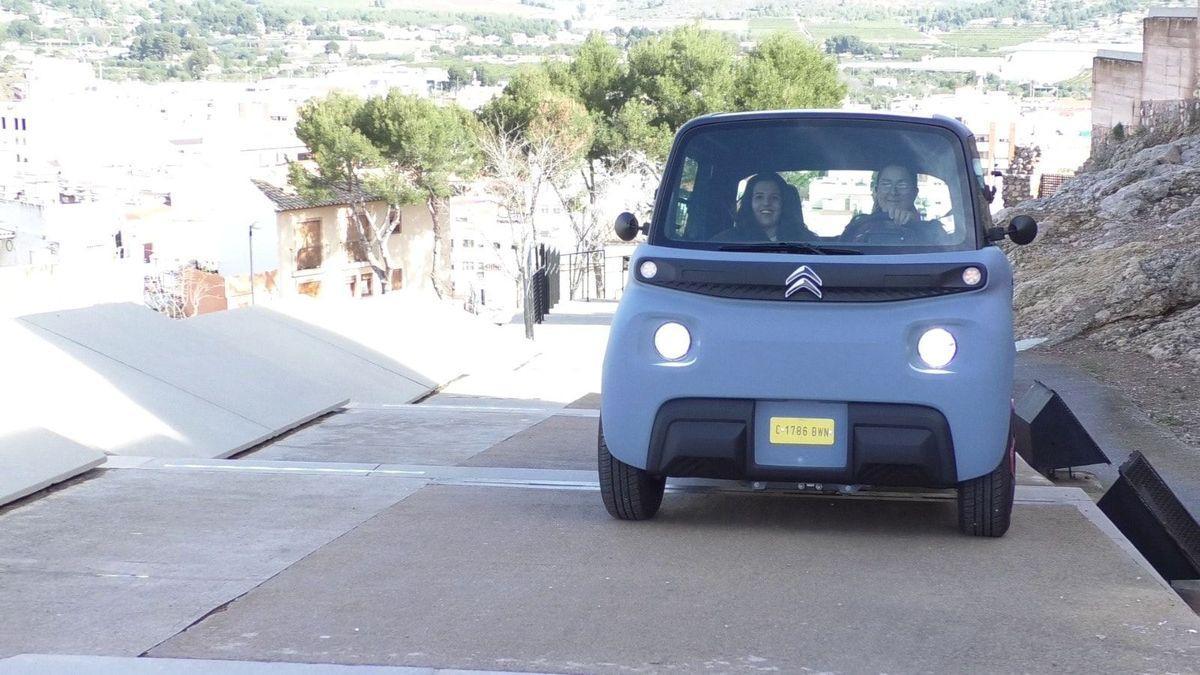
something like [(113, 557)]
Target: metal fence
[(595, 274), (544, 284)]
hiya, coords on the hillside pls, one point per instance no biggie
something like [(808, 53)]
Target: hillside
[(1117, 260)]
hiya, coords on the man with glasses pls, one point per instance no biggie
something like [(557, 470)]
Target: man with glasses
[(894, 217)]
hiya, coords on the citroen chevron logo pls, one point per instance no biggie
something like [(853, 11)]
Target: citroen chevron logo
[(803, 278)]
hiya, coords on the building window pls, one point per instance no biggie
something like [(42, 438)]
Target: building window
[(468, 243), (22, 124), (148, 253), (368, 284), (3, 122), (310, 288), (397, 279), (308, 245), (356, 243), (497, 245)]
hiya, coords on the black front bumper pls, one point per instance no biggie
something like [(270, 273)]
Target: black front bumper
[(889, 444)]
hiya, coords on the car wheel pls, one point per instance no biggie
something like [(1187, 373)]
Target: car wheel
[(629, 493), (985, 503)]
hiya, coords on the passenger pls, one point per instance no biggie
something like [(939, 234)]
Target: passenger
[(769, 210), (894, 214)]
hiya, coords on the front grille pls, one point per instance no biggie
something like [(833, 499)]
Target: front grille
[(829, 294)]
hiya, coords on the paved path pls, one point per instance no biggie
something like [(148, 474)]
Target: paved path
[(468, 532)]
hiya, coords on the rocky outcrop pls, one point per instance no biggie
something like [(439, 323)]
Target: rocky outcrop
[(1117, 257)]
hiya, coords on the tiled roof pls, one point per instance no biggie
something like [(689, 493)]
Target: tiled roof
[(290, 201)]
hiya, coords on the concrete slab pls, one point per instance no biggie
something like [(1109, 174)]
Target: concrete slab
[(310, 351), (558, 442), (40, 664), (589, 401), (403, 435), (545, 580), (214, 370), (34, 459), (434, 340), (113, 407), (120, 562)]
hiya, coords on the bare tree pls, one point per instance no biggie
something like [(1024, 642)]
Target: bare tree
[(179, 291), (519, 164)]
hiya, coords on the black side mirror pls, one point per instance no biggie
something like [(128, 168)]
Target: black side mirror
[(1022, 230), (627, 226)]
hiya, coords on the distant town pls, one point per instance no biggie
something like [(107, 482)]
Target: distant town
[(138, 139)]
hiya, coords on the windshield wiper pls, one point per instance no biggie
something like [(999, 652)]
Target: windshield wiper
[(790, 247)]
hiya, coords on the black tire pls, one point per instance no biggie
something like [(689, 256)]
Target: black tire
[(629, 493), (985, 503)]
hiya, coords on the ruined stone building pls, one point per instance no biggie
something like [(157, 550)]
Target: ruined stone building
[(1155, 85)]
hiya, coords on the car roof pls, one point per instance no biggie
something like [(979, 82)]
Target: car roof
[(943, 121)]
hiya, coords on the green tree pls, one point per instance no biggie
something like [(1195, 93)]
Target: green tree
[(347, 167), (458, 76), (849, 44), (487, 76), (155, 45), (517, 105), (783, 72), (426, 147), (682, 74), (197, 62), (332, 47), (24, 30)]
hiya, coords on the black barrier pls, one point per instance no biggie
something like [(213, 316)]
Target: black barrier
[(1049, 436), (1154, 520)]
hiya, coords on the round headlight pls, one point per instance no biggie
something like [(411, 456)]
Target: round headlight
[(648, 269), (972, 276), (937, 347), (672, 340)]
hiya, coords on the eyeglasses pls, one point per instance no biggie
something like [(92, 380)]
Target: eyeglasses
[(898, 186)]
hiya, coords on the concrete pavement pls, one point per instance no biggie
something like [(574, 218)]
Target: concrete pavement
[(470, 534)]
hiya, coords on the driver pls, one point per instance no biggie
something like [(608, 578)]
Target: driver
[(894, 214), (769, 210)]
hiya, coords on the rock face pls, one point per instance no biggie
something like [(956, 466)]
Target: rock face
[(1117, 256)]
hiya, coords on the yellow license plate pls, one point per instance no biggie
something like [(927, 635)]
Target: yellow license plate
[(802, 430)]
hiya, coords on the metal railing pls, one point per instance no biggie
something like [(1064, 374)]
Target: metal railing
[(544, 284), (595, 275)]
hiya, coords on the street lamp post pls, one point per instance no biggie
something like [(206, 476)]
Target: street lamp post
[(251, 239)]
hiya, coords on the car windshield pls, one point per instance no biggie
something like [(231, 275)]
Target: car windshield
[(830, 186)]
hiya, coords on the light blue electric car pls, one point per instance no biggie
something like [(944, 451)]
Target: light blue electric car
[(819, 301)]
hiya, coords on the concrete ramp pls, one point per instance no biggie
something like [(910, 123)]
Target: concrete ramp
[(34, 459), (434, 342), (308, 350), (124, 380), (213, 369)]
